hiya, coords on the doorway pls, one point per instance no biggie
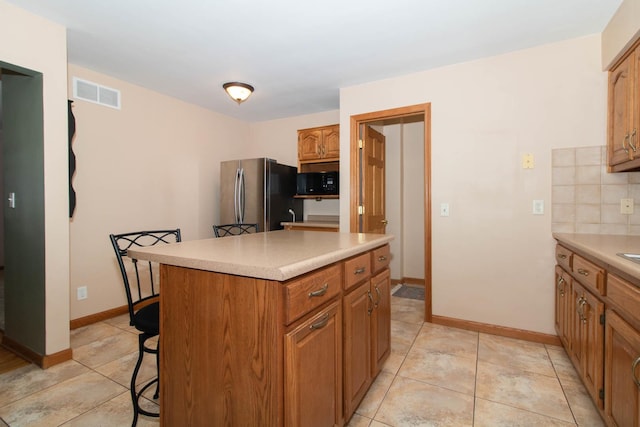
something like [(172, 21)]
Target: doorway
[(358, 180)]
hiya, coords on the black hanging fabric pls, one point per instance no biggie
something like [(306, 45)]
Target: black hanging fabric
[(72, 159)]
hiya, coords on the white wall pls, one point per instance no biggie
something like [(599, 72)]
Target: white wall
[(153, 164), (413, 200), (621, 32), (32, 42), (492, 259)]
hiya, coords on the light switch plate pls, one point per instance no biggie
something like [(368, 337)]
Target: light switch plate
[(444, 209), (527, 161), (538, 207)]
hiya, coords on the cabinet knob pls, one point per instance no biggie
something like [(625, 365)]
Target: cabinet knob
[(562, 256), (382, 258), (583, 271)]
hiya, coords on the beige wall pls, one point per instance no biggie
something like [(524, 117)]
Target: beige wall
[(153, 164), (37, 44), (621, 32), (492, 259)]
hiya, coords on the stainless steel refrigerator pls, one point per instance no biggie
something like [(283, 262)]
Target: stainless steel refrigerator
[(258, 191)]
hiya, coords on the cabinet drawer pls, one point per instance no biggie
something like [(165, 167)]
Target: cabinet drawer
[(625, 295), (311, 291), (380, 258), (356, 270), (563, 257), (588, 274)]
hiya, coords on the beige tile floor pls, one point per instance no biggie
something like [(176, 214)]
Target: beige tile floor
[(435, 376)]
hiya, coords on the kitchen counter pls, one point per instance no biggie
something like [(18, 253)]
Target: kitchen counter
[(276, 255), (605, 247), (251, 325)]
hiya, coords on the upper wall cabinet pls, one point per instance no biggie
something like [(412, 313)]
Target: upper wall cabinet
[(319, 149), (623, 144)]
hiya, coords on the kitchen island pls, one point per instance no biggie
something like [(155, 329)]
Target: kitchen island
[(278, 328)]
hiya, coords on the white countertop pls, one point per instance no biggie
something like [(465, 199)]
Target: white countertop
[(276, 255), (605, 247)]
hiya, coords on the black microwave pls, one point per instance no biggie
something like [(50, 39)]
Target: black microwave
[(317, 183)]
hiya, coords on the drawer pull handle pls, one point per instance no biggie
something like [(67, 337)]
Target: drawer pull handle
[(320, 323), (360, 270), (382, 258), (561, 286), (562, 256), (319, 292), (633, 371), (583, 272)]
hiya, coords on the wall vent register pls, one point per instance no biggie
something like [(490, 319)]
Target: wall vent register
[(95, 93)]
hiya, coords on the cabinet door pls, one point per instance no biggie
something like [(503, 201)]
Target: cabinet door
[(622, 373), (309, 144), (313, 374), (331, 142), (593, 342), (635, 99), (562, 312), (380, 320), (575, 326), (357, 309), (620, 110)]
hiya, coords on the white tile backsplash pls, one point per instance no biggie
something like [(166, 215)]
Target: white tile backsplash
[(586, 198)]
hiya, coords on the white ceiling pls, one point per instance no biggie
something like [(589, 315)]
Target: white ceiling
[(297, 53)]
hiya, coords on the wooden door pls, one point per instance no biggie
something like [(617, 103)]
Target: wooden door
[(373, 185), (562, 313), (622, 389), (381, 320), (635, 98), (313, 374), (357, 308), (331, 142), (593, 342), (620, 110), (309, 144)]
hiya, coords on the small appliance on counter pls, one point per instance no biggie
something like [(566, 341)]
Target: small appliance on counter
[(318, 183)]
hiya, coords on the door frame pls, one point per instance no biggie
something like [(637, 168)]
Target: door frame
[(354, 180)]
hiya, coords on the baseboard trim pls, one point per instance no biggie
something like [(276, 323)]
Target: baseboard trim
[(408, 281), (502, 331), (98, 317), (44, 362)]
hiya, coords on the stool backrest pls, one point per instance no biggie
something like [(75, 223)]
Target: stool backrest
[(141, 279), (234, 229)]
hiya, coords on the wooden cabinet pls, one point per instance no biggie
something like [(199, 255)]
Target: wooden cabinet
[(623, 138), (244, 351), (622, 373), (563, 306), (357, 346), (367, 325), (319, 144), (313, 370), (380, 320), (319, 151)]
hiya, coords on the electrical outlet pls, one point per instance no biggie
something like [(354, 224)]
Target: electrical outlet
[(82, 293), (527, 161), (626, 206)]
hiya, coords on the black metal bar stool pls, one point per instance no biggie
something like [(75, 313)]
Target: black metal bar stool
[(141, 284)]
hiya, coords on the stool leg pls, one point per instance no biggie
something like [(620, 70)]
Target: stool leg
[(157, 394), (134, 395)]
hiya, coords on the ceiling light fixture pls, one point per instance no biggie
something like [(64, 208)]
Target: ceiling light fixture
[(239, 92)]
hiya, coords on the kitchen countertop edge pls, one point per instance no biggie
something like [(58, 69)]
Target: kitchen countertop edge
[(249, 255), (605, 247)]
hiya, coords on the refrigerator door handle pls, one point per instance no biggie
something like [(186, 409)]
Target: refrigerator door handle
[(241, 198), (236, 196)]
